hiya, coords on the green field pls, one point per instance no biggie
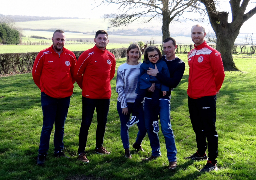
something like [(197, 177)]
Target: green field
[(21, 123)]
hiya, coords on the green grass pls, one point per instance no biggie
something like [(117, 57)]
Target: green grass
[(21, 123)]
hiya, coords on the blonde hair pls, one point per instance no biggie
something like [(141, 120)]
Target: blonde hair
[(198, 25)]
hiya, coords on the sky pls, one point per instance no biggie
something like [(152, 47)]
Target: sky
[(55, 8), (84, 9)]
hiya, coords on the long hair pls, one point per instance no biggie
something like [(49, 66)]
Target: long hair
[(150, 49), (132, 46)]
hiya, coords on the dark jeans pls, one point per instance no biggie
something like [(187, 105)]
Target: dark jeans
[(154, 103), (203, 117), (54, 111), (165, 120), (124, 129), (89, 105)]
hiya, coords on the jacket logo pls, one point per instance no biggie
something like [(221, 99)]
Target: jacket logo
[(200, 59), (109, 61), (67, 63)]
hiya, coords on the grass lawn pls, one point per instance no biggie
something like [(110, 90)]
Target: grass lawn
[(21, 123)]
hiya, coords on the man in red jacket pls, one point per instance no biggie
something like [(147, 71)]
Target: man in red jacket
[(206, 75), (53, 73), (94, 71)]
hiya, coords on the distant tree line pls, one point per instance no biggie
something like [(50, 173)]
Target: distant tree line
[(8, 35)]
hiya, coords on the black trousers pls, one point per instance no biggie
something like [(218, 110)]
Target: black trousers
[(88, 107), (203, 117)]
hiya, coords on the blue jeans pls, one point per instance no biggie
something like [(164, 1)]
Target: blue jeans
[(166, 127), (125, 118), (54, 111), (89, 105)]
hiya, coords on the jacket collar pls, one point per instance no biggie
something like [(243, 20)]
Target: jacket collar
[(63, 49), (95, 48), (201, 45)]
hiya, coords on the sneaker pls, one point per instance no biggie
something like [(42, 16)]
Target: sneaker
[(151, 158), (155, 127), (138, 147), (132, 121), (41, 159), (60, 154), (82, 157), (209, 167), (101, 150), (172, 165), (197, 156), (127, 153)]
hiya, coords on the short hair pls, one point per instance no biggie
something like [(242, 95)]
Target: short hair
[(58, 30), (198, 25), (132, 46), (150, 49), (170, 39), (101, 32)]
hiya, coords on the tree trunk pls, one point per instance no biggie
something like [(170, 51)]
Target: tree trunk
[(225, 45), (166, 20)]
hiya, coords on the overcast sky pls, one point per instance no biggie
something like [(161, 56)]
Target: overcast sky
[(82, 9)]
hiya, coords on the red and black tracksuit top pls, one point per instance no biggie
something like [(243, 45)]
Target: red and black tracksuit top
[(206, 71), (53, 73), (94, 71)]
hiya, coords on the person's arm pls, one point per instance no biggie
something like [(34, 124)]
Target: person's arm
[(37, 68), (143, 71), (81, 67), (166, 74), (120, 88), (218, 69), (113, 68), (172, 82), (73, 66)]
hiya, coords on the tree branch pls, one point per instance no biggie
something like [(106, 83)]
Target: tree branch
[(249, 14)]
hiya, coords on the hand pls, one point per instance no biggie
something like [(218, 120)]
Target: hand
[(152, 88), (125, 111), (164, 93), (152, 72)]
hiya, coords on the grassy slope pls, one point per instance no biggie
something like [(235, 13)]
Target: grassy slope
[(21, 121)]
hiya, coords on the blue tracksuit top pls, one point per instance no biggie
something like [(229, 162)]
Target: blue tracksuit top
[(145, 80)]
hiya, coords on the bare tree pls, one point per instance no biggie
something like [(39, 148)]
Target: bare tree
[(226, 32), (169, 10)]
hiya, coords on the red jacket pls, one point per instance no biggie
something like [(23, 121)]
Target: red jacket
[(206, 72), (53, 73), (95, 68)]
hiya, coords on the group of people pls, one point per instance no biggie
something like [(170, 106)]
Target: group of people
[(144, 92)]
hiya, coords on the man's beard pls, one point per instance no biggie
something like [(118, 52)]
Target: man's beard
[(57, 49)]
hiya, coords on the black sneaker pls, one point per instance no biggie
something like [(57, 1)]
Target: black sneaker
[(138, 147), (60, 154), (197, 156), (209, 167), (132, 121), (151, 158), (155, 127), (127, 153), (41, 159)]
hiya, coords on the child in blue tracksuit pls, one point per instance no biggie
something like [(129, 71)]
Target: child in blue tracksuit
[(146, 82)]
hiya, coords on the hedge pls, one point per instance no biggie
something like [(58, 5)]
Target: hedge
[(13, 63)]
